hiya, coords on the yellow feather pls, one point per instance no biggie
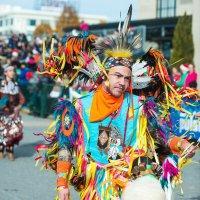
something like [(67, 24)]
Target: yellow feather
[(124, 53)]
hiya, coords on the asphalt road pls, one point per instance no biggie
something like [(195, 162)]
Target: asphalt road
[(21, 180)]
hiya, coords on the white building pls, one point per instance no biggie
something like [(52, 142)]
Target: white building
[(163, 8), (21, 20)]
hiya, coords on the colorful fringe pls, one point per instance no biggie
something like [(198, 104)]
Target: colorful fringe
[(61, 63), (172, 175), (55, 134)]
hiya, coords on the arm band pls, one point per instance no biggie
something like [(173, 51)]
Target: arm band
[(63, 168)]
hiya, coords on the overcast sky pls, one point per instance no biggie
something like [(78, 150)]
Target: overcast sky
[(108, 8)]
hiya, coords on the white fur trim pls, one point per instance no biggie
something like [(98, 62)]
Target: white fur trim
[(184, 68)]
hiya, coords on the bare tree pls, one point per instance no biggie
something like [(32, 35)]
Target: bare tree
[(68, 18), (43, 29)]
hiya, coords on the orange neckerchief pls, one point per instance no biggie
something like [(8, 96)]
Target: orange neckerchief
[(103, 104)]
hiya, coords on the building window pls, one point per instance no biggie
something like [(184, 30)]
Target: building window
[(31, 22), (186, 1), (6, 22), (166, 8), (11, 21)]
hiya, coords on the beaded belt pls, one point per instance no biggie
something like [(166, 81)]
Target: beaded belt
[(143, 166)]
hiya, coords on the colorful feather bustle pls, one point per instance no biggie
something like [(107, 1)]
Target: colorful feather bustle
[(161, 125), (55, 134), (61, 63), (77, 45), (170, 171), (65, 122), (172, 175), (53, 64), (173, 97)]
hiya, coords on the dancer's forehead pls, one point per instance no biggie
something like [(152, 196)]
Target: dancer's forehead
[(120, 70)]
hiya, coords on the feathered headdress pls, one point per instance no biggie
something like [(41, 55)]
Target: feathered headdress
[(119, 47)]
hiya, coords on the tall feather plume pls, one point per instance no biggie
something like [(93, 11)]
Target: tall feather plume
[(127, 21), (125, 28), (136, 42), (120, 24), (118, 42)]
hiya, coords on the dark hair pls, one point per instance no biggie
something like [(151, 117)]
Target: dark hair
[(193, 84)]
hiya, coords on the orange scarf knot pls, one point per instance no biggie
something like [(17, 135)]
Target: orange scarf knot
[(103, 104)]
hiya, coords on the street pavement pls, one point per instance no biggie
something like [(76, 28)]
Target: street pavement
[(22, 180)]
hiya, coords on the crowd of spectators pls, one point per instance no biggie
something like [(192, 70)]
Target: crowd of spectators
[(41, 92), (25, 55), (185, 76)]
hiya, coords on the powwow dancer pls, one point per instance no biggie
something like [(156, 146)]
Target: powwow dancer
[(111, 143), (11, 100)]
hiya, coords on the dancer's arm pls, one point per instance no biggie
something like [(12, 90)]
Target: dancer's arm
[(63, 170)]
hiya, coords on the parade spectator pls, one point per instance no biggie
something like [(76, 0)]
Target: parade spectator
[(23, 81), (34, 93), (184, 72), (84, 26), (191, 77), (193, 84), (176, 75), (11, 101), (32, 63)]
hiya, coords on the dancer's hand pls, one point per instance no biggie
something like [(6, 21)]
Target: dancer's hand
[(63, 193), (17, 109), (188, 148), (197, 114), (12, 116)]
